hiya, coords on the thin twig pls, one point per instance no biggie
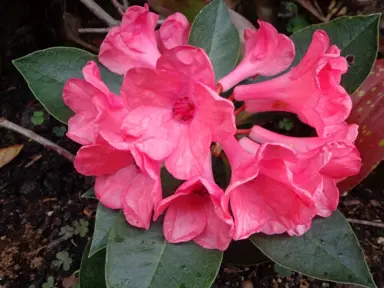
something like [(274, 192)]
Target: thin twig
[(364, 222), (118, 6), (94, 30), (100, 12), (37, 138), (307, 5), (125, 4)]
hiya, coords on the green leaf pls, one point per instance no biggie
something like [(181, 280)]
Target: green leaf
[(63, 259), (46, 71), (140, 258), (328, 251), (244, 253), (282, 271), (50, 282), (66, 232), (81, 227), (59, 131), (92, 270), (356, 36), (213, 31), (105, 218), (297, 23), (89, 194)]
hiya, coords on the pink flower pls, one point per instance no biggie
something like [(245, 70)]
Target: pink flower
[(133, 43), (267, 53), (99, 113), (125, 180), (173, 32), (174, 112), (341, 132), (323, 162), (195, 213), (95, 106), (262, 193), (311, 89)]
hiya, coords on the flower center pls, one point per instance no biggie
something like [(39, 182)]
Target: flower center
[(183, 109), (202, 192)]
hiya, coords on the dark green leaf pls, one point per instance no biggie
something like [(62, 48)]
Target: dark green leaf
[(140, 258), (92, 270), (105, 218), (244, 253), (89, 194), (356, 36), (282, 271), (213, 31), (169, 184), (46, 71), (328, 251), (190, 8)]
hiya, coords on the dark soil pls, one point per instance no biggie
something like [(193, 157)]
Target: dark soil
[(40, 190)]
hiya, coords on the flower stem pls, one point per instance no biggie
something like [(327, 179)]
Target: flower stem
[(243, 131), (241, 109), (219, 88)]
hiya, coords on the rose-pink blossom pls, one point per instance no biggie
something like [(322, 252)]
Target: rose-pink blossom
[(195, 213), (174, 112), (133, 43), (262, 193), (322, 162), (173, 32), (98, 115), (312, 89), (267, 53)]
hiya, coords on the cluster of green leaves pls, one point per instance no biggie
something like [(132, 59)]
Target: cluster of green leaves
[(37, 118), (79, 227), (123, 256)]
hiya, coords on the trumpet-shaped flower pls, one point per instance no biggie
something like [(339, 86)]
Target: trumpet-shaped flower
[(311, 89), (267, 53)]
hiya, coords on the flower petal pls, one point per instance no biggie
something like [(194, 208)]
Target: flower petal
[(149, 87), (190, 153), (110, 189), (185, 219), (81, 128), (140, 197), (189, 61), (174, 32), (98, 160), (215, 111), (217, 233)]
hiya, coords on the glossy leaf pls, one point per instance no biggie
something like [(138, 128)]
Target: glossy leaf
[(282, 271), (213, 31), (92, 270), (105, 218), (328, 251), (356, 36), (368, 113), (244, 253), (89, 194), (140, 258), (47, 70)]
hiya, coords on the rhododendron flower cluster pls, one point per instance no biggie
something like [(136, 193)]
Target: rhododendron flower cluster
[(170, 115)]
